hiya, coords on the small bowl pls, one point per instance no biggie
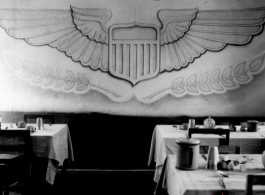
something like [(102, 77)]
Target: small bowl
[(21, 124), (184, 126)]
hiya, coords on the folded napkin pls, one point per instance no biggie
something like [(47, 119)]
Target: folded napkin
[(262, 131)]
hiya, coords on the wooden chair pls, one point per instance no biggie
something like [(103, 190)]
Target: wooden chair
[(15, 158), (254, 180), (31, 118), (224, 148)]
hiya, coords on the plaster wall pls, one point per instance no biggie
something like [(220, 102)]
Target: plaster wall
[(167, 93)]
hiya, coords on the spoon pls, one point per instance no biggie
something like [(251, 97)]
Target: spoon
[(247, 158), (223, 174), (221, 182)]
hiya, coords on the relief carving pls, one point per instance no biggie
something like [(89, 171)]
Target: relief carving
[(56, 79), (134, 52), (218, 81)]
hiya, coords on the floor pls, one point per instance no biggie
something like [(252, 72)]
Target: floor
[(118, 183)]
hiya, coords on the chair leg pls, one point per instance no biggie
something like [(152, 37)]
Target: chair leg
[(6, 188), (64, 167), (28, 187), (28, 180), (1, 188)]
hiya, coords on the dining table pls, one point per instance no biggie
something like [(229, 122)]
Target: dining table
[(204, 181), (164, 138), (52, 142)]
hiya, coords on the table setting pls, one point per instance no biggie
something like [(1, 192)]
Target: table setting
[(164, 148), (206, 180), (52, 141), (164, 138)]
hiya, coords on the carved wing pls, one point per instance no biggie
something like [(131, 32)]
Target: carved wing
[(187, 34), (80, 33)]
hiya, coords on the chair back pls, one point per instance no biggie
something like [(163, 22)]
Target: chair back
[(32, 118), (224, 148), (254, 180), (211, 131), (15, 142)]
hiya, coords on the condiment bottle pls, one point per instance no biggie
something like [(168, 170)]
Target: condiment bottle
[(230, 166), (252, 126), (209, 123)]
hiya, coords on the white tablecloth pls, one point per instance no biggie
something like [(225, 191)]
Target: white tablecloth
[(205, 182), (164, 138), (54, 143)]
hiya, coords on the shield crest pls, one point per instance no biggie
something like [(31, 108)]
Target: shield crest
[(134, 51)]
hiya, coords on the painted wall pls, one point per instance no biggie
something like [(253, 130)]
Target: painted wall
[(151, 58)]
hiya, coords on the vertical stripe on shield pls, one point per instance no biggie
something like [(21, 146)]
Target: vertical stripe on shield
[(134, 60)]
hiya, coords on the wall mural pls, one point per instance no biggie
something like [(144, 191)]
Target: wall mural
[(217, 81), (135, 52), (152, 57)]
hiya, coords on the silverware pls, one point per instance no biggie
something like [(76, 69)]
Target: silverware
[(262, 135), (229, 175), (246, 157), (204, 157), (223, 174), (248, 160), (221, 182)]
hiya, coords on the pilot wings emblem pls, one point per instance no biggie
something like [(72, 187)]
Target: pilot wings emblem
[(134, 52)]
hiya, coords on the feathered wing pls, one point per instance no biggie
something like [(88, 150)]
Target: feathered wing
[(187, 34), (80, 33)]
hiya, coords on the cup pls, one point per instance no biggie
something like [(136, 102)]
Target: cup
[(39, 124), (252, 126), (31, 128), (191, 123), (213, 158)]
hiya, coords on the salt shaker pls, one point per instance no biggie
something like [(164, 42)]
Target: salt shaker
[(39, 124), (242, 167), (191, 123)]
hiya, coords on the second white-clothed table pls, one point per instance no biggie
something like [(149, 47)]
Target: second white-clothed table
[(53, 142), (164, 137), (205, 181)]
